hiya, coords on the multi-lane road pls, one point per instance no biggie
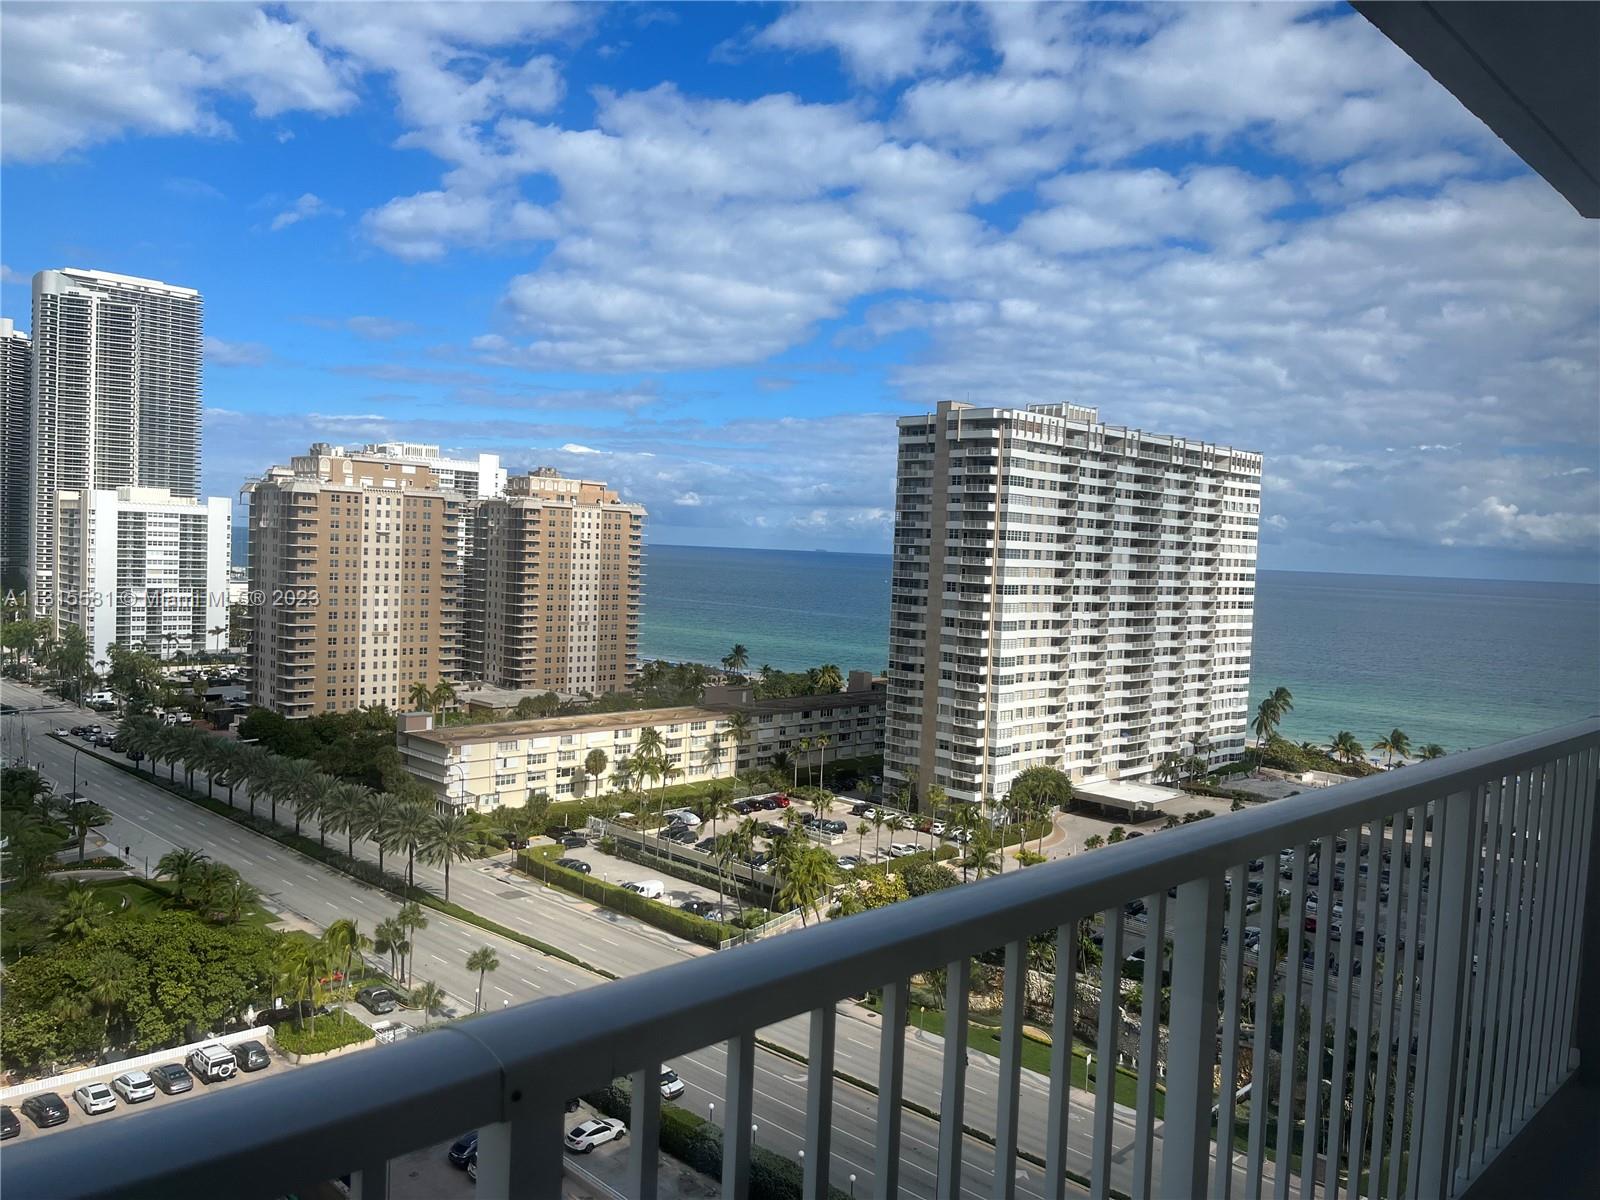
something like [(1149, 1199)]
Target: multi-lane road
[(149, 821)]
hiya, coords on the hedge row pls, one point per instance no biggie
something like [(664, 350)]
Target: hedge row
[(101, 862), (697, 1143), (333, 1030), (1220, 793), (619, 899), (359, 869)]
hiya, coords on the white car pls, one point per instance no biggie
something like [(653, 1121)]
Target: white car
[(581, 1139), (671, 1086), (901, 849), (134, 1086), (937, 829), (95, 1098), (849, 862), (62, 732)]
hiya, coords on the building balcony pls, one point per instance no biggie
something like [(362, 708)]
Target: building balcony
[(1447, 1016)]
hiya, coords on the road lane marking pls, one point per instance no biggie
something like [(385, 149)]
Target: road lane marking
[(502, 990)]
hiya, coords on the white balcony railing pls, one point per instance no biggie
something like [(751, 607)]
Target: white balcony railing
[(1437, 1014)]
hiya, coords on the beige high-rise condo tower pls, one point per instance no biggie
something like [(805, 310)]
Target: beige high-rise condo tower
[(1065, 593), (355, 577), (554, 584)]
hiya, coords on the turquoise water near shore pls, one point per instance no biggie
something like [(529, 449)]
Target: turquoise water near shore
[(1461, 662)]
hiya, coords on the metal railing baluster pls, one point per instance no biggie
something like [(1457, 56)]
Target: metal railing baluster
[(1261, 1029), (1406, 1000), (1106, 1056), (644, 1133), (1481, 1029), (819, 1103), (1232, 1015), (522, 1157), (1506, 909), (1558, 871), (954, 1090), (739, 1097), (1451, 903), (891, 1078), (1192, 1040), (1538, 792), (1589, 765), (1061, 1042), (1317, 1030), (1380, 843), (1155, 941), (1392, 974), (1348, 989), (1293, 969), (1008, 1089)]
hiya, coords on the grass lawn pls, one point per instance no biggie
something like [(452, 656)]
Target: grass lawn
[(985, 1037), (153, 896)]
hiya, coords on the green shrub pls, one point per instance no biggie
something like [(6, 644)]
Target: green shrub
[(333, 1030), (102, 862)]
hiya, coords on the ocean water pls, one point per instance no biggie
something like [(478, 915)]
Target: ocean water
[(1455, 661)]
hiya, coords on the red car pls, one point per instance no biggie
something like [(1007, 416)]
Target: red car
[(783, 801)]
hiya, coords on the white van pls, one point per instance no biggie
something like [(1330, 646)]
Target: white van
[(212, 1062), (650, 889)]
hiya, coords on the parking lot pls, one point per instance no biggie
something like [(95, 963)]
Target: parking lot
[(78, 1119)]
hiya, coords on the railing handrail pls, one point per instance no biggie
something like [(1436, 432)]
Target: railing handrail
[(496, 1067)]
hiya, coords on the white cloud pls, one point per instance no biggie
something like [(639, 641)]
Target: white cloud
[(576, 448), (7, 275), (72, 75), (377, 329), (303, 209), (235, 354), (688, 500), (878, 43)]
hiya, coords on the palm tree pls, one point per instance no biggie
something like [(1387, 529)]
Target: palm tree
[(594, 765), (738, 732), (443, 693), (428, 999), (980, 855), (376, 817), (822, 744), (861, 839), (82, 817), (1394, 743), (342, 809), (182, 866), (737, 659), (1282, 700), (805, 748), (308, 805), (289, 779), (1431, 751), (1344, 745), (408, 828), (420, 697), (1170, 768), (389, 937), (806, 872), (81, 913), (878, 822), (451, 837), (345, 939), (1266, 722), (411, 919), (482, 960), (257, 768), (235, 898)]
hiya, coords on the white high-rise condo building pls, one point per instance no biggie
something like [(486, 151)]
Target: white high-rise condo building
[(1068, 594), (16, 453), (115, 393), (474, 478), (142, 568)]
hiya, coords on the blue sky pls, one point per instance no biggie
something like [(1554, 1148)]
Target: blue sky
[(710, 253)]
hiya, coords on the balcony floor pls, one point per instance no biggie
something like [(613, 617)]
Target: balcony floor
[(1556, 1157)]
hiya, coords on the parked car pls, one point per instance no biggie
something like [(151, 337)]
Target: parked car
[(780, 801), (707, 845), (575, 864), (212, 1063), (682, 816), (848, 862), (377, 1000), (9, 1125), (809, 819), (557, 832), (745, 807), (95, 1098), (834, 826), (582, 1139), (134, 1086), (902, 849), (251, 1056), (574, 842), (45, 1109), (60, 733), (172, 1078), (472, 1166), (464, 1149), (671, 1086), (650, 889), (699, 908)]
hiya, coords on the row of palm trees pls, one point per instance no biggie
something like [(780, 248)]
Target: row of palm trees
[(393, 824), (1344, 745)]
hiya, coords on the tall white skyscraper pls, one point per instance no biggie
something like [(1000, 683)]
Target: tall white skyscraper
[(1065, 593), (16, 454), (116, 392)]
